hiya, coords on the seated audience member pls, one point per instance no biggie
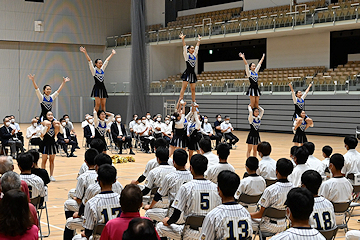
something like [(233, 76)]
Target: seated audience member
[(16, 126), (300, 203), (71, 128), (217, 127), (187, 201), (292, 154), (42, 173), (131, 202), (33, 133), (274, 196), (223, 151), (132, 124), (139, 229), (15, 220), (166, 130), (35, 183), (323, 216), (11, 180), (119, 135), (205, 147), (312, 161), (89, 130), (300, 158), (253, 184), (220, 223), (8, 138), (99, 146), (326, 152), (267, 165), (207, 130), (227, 129), (144, 131), (85, 122), (64, 139), (352, 157), (157, 126)]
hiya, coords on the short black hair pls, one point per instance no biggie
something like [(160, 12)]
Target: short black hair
[(252, 163), (90, 155), (327, 150), (351, 141), (25, 161), (131, 198), (301, 203), (107, 174), (293, 150), (228, 182), (226, 116), (65, 115), (284, 166), (205, 145), (337, 160), (160, 142), (312, 181), (310, 147), (301, 155), (217, 115), (102, 158), (98, 144), (139, 229), (162, 153), (180, 157), (264, 148), (223, 150), (36, 155), (198, 163)]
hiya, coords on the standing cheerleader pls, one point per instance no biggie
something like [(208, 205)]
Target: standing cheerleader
[(101, 123), (48, 146), (193, 132), (189, 75), (179, 139), (252, 73), (253, 138), (99, 91), (46, 100), (300, 125), (299, 102)]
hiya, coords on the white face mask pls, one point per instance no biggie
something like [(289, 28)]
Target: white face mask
[(67, 120), (35, 124), (118, 120), (138, 122), (87, 117), (158, 119), (219, 119), (12, 120), (63, 124), (206, 120), (167, 121), (227, 121), (135, 118), (7, 124), (148, 116), (144, 121), (91, 120)]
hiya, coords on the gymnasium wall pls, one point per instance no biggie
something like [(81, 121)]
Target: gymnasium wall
[(155, 12), (257, 4)]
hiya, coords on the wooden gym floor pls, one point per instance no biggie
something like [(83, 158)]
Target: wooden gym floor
[(66, 170)]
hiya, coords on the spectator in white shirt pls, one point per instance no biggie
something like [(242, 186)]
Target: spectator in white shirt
[(85, 122), (158, 126), (326, 152), (144, 131), (149, 121), (300, 158), (226, 129), (312, 161), (352, 157), (166, 130), (33, 133), (267, 165), (205, 148), (16, 126), (207, 130), (70, 126)]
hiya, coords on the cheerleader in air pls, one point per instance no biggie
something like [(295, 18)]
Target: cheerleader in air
[(193, 131), (252, 73), (46, 100), (179, 139), (299, 102), (189, 75), (99, 91), (300, 126), (253, 139), (101, 123)]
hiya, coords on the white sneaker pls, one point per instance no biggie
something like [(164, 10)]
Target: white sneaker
[(52, 179), (182, 101), (195, 104)]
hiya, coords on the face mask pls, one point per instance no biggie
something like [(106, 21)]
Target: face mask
[(91, 120), (227, 121), (135, 118), (148, 116), (144, 121), (167, 121), (138, 122), (118, 120), (7, 124), (35, 124), (219, 119), (158, 119), (205, 120), (87, 117), (67, 120), (12, 120), (63, 124)]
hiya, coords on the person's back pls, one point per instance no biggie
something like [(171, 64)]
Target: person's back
[(42, 173), (267, 165), (312, 161), (300, 158), (352, 157), (205, 146)]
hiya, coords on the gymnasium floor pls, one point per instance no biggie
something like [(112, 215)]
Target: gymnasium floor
[(66, 170)]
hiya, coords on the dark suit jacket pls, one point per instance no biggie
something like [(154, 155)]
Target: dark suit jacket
[(60, 136), (5, 135), (87, 134), (115, 130)]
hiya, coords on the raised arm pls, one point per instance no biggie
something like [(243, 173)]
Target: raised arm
[(182, 36), (307, 91), (198, 42), (259, 64), (242, 55), (110, 118), (251, 115), (65, 79), (113, 52), (96, 119), (32, 78), (82, 49), (261, 110), (292, 93)]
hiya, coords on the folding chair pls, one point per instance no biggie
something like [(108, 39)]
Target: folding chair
[(274, 214), (270, 182), (343, 208), (194, 222), (98, 228), (329, 234), (39, 208), (249, 202), (356, 195)]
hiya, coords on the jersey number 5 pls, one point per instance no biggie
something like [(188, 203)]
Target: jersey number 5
[(204, 202), (243, 234)]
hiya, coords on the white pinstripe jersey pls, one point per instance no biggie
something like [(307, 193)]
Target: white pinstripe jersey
[(83, 169), (336, 190), (101, 208), (227, 221), (35, 184), (197, 197), (299, 234), (295, 176), (172, 183), (251, 185), (213, 171), (323, 216), (95, 189), (157, 175), (84, 181), (153, 164), (267, 168)]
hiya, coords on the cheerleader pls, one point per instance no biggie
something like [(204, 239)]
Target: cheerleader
[(193, 132), (299, 102), (48, 146), (253, 139), (179, 138), (189, 75), (300, 126), (252, 73), (47, 99), (99, 91), (101, 123)]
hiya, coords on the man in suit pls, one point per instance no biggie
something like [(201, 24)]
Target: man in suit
[(89, 130), (8, 137), (64, 139), (119, 135)]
